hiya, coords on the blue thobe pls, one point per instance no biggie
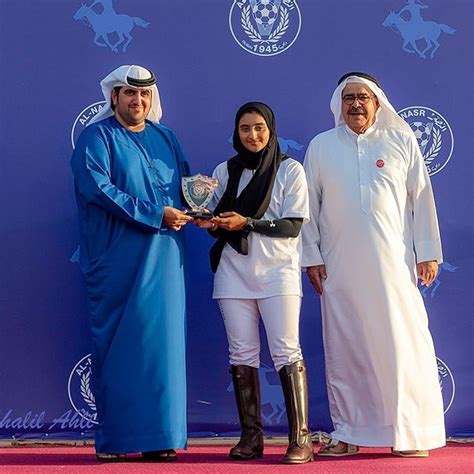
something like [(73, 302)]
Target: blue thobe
[(133, 266)]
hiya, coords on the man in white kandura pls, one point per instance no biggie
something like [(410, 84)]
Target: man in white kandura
[(373, 231)]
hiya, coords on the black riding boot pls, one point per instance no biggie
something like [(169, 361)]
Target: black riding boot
[(247, 395), (295, 390)]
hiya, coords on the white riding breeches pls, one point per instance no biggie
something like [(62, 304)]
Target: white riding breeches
[(280, 315)]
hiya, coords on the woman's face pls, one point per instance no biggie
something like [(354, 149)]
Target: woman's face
[(253, 132)]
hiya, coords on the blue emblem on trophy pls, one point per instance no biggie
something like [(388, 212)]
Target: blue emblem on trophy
[(198, 191)]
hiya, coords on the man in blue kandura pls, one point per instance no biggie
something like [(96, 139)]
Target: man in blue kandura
[(127, 173)]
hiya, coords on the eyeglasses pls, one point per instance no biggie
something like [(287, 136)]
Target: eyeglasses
[(361, 98)]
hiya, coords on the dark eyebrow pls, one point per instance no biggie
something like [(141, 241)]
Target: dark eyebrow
[(247, 125)]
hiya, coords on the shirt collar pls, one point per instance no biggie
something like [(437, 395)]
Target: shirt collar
[(368, 132)]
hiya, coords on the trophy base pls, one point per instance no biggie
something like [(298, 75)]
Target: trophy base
[(199, 214)]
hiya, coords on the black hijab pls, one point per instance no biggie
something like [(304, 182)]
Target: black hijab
[(254, 199)]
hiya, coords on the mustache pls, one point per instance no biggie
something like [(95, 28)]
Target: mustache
[(357, 110)]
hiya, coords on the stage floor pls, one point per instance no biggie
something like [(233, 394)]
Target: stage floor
[(212, 458)]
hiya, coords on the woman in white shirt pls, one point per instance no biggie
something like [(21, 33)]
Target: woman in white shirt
[(260, 205)]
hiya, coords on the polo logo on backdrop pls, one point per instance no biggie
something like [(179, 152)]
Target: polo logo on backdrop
[(111, 29), (288, 144), (265, 27), (415, 31), (80, 392), (433, 133), (83, 119), (446, 382), (431, 290)]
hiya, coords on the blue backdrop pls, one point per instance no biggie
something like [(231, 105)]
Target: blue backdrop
[(210, 56)]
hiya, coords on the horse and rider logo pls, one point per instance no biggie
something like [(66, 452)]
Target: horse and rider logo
[(265, 27), (108, 25), (434, 135), (431, 290), (411, 26)]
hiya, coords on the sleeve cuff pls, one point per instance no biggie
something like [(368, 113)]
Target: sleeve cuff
[(428, 250), (311, 256)]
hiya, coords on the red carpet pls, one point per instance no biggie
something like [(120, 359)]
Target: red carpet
[(455, 458)]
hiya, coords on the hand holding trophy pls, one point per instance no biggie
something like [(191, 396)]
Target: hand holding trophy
[(198, 191)]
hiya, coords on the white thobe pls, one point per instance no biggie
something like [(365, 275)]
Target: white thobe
[(371, 209)]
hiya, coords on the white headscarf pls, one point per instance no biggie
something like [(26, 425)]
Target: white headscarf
[(386, 116), (129, 76)]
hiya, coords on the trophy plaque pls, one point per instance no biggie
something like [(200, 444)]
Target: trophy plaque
[(198, 191)]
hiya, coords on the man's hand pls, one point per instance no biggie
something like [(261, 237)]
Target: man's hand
[(316, 276), (230, 221), (427, 271), (174, 218)]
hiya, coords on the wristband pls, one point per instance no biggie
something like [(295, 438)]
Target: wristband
[(249, 225)]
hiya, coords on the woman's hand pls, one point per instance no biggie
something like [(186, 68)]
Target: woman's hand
[(205, 223), (230, 221)]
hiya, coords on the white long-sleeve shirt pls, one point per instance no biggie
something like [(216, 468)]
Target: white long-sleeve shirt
[(273, 265)]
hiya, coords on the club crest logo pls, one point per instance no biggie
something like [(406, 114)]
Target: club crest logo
[(415, 31), (446, 382), (79, 390), (265, 27), (434, 135), (111, 29), (83, 119)]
